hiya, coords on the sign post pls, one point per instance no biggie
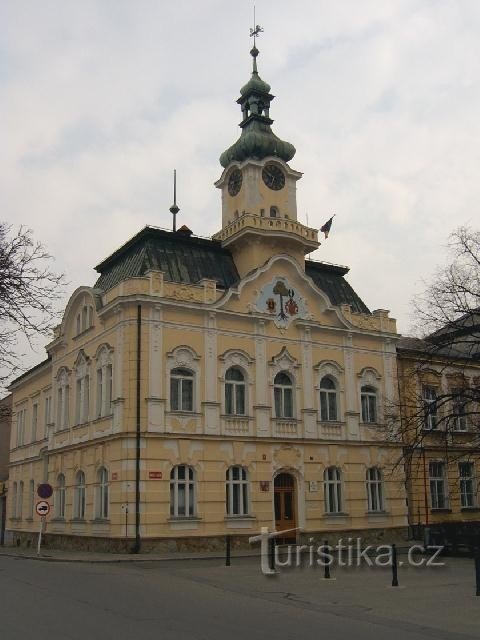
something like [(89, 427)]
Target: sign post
[(42, 509)]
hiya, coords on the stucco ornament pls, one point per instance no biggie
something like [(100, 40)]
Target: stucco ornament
[(280, 299)]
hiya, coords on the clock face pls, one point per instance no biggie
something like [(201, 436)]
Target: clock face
[(273, 177), (235, 182)]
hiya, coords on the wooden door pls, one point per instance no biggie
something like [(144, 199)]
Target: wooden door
[(284, 500)]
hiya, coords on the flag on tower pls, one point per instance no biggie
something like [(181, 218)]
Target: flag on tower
[(327, 226)]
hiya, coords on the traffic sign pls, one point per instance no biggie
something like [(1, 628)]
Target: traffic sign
[(44, 490), (42, 508)]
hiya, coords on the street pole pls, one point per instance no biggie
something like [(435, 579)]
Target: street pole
[(42, 520)]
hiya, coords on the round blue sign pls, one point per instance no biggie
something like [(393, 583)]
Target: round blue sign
[(44, 490)]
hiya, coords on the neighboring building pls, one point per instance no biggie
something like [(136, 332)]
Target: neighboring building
[(214, 386), (5, 429), (439, 381)]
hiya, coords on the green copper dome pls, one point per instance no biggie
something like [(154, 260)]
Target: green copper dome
[(257, 140)]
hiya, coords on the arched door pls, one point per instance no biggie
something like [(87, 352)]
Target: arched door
[(284, 501)]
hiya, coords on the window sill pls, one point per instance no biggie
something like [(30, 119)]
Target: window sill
[(336, 514), (62, 430), (470, 509), (245, 517), (380, 514), (100, 521), (77, 336), (443, 510), (15, 519), (78, 521), (184, 519), (58, 519), (181, 412)]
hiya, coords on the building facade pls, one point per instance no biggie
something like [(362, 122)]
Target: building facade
[(439, 381), (211, 387)]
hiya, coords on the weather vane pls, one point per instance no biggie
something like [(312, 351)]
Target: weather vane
[(257, 29)]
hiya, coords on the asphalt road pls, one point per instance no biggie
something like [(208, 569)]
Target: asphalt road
[(203, 600)]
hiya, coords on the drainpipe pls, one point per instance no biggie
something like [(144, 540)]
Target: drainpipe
[(136, 548)]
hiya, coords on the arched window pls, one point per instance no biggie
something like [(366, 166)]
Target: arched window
[(332, 482), (375, 489), (273, 212), (31, 498), (102, 494), (63, 401), (234, 392), (181, 390), (104, 382), (328, 399), (79, 496), (20, 500), (82, 390), (369, 404), (182, 491), (236, 491), (60, 497), (283, 394)]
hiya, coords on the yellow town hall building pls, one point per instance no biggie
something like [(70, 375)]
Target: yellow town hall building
[(205, 387)]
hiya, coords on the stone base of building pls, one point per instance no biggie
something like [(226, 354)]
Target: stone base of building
[(197, 544)]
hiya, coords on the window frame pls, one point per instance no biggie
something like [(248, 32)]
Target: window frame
[(437, 481), (326, 394), (375, 490), (60, 496), (237, 498), (466, 480), (178, 380), (237, 387), (102, 503), (80, 495), (185, 486), (333, 490), (430, 408), (280, 394), (369, 394)]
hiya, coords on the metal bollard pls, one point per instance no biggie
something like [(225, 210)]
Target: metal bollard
[(228, 543), (394, 566), (326, 568), (271, 553), (477, 570)]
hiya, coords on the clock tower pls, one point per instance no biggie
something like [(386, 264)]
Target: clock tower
[(259, 202)]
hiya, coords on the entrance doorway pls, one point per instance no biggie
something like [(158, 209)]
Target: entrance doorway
[(284, 501)]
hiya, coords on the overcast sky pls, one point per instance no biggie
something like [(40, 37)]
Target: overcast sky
[(100, 100)]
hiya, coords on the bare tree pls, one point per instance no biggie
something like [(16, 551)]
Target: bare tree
[(438, 417), (29, 290)]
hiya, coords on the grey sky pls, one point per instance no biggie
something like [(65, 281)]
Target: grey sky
[(100, 100)]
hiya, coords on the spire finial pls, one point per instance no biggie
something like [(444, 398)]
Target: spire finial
[(255, 32), (174, 209)]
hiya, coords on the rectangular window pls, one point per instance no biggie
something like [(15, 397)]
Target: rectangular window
[(429, 408), (459, 411), (34, 421), (48, 412), (21, 419), (438, 495), (467, 484)]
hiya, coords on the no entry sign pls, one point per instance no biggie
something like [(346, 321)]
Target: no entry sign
[(42, 508)]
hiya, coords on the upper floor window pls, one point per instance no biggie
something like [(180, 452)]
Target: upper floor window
[(34, 421), (181, 390), (459, 411), (375, 489), (59, 499), (332, 483), (84, 318), (234, 392), (102, 501), (48, 411), (14, 499), (104, 383), (429, 399), (79, 497), (20, 500), (82, 399), (274, 212), (63, 401), (369, 404), (236, 491), (283, 395), (21, 419), (467, 484), (182, 491), (328, 399), (438, 493)]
